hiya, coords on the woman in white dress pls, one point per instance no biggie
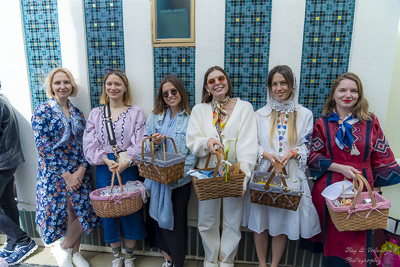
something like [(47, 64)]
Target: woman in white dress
[(284, 132)]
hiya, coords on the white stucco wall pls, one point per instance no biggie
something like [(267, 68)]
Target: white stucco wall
[(139, 52), (210, 35), (373, 50), (15, 86), (73, 49), (287, 34), (392, 127)]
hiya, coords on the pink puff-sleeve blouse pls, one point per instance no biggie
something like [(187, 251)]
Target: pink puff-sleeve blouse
[(129, 130)]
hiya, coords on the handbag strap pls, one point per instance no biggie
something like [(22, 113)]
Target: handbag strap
[(110, 130)]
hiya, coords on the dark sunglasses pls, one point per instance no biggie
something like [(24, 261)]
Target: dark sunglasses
[(220, 79), (118, 71), (166, 94)]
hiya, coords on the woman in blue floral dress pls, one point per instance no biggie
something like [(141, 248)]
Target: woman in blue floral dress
[(63, 177)]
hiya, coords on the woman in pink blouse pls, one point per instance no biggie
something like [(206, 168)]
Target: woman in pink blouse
[(128, 122)]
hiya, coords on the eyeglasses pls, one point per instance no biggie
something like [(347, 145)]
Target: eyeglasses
[(118, 71), (219, 78), (166, 94)]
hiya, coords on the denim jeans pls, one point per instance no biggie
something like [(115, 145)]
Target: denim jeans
[(9, 216)]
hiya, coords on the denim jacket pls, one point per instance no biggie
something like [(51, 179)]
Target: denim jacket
[(154, 125)]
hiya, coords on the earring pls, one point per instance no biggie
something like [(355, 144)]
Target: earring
[(209, 94)]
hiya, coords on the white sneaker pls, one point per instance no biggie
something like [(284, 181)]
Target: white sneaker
[(129, 262), (118, 262), (79, 261), (167, 263), (62, 256)]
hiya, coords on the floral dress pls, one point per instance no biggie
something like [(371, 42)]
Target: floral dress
[(59, 144)]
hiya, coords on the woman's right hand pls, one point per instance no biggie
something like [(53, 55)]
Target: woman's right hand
[(73, 182), (271, 158), (112, 165), (157, 138), (211, 143), (346, 170)]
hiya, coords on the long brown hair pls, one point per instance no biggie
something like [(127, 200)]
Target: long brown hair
[(360, 108), (287, 72), (205, 98), (160, 106), (127, 97)]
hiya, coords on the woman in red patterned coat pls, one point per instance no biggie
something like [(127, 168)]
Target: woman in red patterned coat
[(346, 140)]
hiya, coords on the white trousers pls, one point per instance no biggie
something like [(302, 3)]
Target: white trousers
[(220, 250)]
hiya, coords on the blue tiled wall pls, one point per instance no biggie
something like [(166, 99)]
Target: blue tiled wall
[(328, 29), (42, 37), (179, 61), (247, 39), (105, 41)]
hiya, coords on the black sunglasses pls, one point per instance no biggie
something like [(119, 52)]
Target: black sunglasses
[(166, 94), (118, 71)]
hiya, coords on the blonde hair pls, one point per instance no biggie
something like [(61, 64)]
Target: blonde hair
[(49, 81), (287, 72), (127, 97), (360, 108)]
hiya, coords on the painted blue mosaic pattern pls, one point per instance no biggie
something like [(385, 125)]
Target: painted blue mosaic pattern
[(105, 42), (328, 29), (247, 41), (42, 39), (179, 61)]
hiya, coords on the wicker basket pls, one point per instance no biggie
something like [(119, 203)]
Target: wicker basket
[(116, 206), (216, 187), (270, 195), (360, 216), (161, 166)]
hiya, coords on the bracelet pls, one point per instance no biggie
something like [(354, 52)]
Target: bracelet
[(294, 154)]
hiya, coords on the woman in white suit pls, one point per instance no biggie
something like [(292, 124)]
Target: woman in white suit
[(220, 117)]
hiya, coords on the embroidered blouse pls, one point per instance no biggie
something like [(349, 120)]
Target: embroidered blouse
[(129, 129)]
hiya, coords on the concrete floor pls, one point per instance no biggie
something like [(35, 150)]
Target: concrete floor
[(42, 257)]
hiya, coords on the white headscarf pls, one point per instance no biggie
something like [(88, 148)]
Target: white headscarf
[(285, 106)]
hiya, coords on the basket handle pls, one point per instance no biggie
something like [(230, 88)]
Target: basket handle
[(153, 159), (218, 163), (113, 178), (277, 168), (361, 182)]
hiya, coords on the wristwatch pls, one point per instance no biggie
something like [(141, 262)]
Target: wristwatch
[(130, 162)]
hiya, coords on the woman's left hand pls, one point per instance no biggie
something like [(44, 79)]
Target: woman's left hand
[(120, 167), (285, 159)]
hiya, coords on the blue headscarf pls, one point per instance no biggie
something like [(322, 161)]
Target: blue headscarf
[(345, 132)]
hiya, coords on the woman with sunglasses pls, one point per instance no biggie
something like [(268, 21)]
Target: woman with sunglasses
[(63, 207), (128, 122), (167, 217), (220, 117), (284, 136)]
